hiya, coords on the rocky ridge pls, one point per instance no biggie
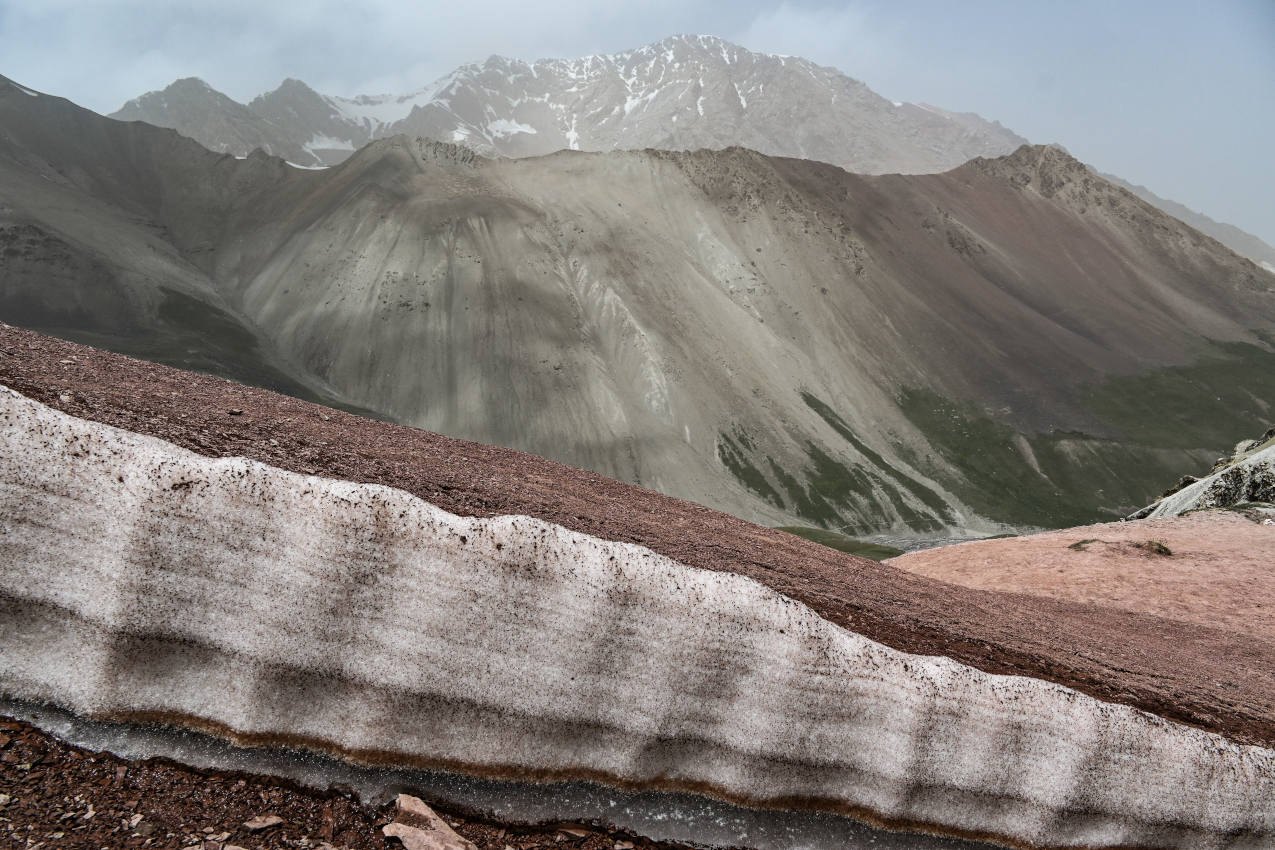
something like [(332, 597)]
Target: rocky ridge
[(1243, 480), (685, 92), (1243, 243)]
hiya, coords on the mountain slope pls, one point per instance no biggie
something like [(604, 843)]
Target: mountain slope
[(196, 110), (685, 92), (775, 337), (1243, 243), (105, 233)]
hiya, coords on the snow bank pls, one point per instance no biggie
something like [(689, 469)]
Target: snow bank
[(140, 581)]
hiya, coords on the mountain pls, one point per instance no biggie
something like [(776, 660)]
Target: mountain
[(198, 111), (1243, 243), (1015, 341), (686, 92)]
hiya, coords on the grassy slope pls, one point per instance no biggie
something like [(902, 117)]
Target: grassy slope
[(842, 543)]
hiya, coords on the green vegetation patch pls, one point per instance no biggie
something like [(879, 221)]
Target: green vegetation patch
[(1155, 547), (1082, 478), (924, 494), (843, 543), (1083, 545), (825, 491), (733, 451), (835, 483), (1151, 547), (1224, 397)]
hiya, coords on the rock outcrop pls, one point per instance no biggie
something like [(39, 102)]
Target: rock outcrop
[(1245, 478), (142, 582), (419, 827)]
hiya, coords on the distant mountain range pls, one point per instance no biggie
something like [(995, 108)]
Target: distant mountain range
[(1015, 341), (684, 93)]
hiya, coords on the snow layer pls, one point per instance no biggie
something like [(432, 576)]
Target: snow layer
[(377, 111), (141, 581)]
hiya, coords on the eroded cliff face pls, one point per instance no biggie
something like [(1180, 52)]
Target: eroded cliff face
[(143, 582)]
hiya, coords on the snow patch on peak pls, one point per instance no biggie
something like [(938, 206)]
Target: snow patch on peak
[(376, 111), (502, 127), (322, 142)]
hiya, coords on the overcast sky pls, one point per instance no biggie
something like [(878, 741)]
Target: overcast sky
[(1176, 95)]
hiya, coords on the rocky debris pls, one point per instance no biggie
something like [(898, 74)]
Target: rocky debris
[(261, 822), (1243, 480), (97, 800), (50, 787), (419, 828), (1186, 481)]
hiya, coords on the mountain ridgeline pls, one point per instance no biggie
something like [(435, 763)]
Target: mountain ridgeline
[(683, 93), (1013, 342), (686, 92)]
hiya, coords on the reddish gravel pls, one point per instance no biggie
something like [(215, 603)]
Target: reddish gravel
[(1214, 568), (56, 795), (1161, 665)]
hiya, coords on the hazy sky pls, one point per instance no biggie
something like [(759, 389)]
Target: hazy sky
[(1176, 95)]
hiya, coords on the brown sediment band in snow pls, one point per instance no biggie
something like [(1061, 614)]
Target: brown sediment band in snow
[(1166, 667)]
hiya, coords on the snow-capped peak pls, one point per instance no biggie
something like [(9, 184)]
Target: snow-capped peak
[(686, 91)]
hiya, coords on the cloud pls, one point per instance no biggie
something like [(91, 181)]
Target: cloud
[(849, 37)]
